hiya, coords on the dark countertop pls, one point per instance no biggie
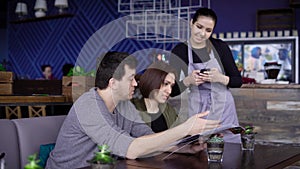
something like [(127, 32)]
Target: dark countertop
[(263, 156), (272, 86)]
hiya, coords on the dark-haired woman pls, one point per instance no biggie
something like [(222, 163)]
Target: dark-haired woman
[(155, 86), (208, 89)]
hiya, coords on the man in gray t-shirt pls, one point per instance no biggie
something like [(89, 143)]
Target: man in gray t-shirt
[(104, 115), (85, 127)]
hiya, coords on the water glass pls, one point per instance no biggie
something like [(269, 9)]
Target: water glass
[(215, 151), (248, 141)]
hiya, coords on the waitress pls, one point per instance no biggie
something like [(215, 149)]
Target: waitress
[(208, 89)]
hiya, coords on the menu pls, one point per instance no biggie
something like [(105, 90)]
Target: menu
[(193, 138)]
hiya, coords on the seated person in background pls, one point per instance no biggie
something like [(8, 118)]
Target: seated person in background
[(105, 115), (155, 86), (47, 73)]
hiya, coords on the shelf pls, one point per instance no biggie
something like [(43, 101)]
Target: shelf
[(42, 18), (275, 19), (295, 3)]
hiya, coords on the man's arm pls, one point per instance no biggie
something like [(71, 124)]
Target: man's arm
[(148, 144)]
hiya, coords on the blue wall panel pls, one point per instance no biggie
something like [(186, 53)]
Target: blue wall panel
[(60, 41), (95, 29)]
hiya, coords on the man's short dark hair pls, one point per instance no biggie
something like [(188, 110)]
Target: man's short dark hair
[(112, 65), (154, 77), (66, 68)]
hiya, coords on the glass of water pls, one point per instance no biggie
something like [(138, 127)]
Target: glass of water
[(215, 149)]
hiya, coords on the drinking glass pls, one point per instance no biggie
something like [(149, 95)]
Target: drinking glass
[(215, 151), (248, 141)]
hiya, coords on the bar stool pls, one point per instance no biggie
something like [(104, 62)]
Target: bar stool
[(13, 110), (34, 111)]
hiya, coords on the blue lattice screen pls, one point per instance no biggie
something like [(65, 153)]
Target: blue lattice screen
[(60, 41)]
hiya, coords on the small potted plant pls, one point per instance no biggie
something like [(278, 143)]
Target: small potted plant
[(215, 147), (248, 138), (77, 82), (2, 68), (102, 158), (33, 163)]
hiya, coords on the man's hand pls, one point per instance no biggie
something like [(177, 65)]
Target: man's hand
[(196, 124), (193, 148)]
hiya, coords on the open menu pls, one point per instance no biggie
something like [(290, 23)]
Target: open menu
[(191, 139), (204, 136)]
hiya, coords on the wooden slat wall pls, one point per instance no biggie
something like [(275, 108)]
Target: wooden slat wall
[(274, 112)]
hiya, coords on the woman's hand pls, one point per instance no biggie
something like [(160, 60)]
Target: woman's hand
[(193, 78), (214, 76)]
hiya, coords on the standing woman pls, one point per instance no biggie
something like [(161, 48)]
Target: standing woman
[(208, 88)]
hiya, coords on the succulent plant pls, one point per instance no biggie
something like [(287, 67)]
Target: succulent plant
[(79, 71), (2, 68), (103, 156), (216, 139), (249, 130), (33, 163)]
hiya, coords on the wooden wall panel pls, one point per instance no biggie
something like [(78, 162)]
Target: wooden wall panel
[(273, 111)]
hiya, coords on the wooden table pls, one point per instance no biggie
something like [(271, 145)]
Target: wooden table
[(51, 100), (11, 100), (264, 156)]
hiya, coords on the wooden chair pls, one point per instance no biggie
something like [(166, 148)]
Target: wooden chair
[(13, 110), (36, 111)]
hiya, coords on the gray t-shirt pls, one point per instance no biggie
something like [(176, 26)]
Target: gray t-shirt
[(88, 124)]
